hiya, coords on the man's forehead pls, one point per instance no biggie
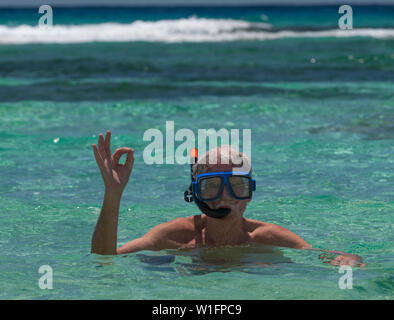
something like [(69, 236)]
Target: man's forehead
[(219, 167)]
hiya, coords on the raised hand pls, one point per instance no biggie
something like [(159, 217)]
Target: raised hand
[(115, 175)]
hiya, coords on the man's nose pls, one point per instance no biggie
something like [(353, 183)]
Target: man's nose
[(225, 193)]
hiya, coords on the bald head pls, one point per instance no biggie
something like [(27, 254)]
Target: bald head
[(223, 158)]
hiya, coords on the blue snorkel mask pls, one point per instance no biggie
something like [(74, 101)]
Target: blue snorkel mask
[(208, 187)]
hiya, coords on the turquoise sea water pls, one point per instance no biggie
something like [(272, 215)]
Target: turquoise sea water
[(321, 111)]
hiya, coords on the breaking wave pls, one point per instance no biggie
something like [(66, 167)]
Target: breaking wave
[(191, 29)]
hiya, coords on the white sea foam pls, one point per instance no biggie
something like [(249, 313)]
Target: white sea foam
[(191, 29)]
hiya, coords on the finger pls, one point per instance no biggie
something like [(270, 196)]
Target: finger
[(101, 146), (130, 159), (107, 143), (118, 154), (99, 160)]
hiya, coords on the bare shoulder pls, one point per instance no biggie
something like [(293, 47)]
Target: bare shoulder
[(175, 232), (177, 224), (273, 234)]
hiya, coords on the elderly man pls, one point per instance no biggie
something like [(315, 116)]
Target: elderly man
[(221, 189)]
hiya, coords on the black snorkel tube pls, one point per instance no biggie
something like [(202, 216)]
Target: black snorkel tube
[(190, 196)]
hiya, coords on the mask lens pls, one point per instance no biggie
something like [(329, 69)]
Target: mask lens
[(240, 186), (209, 187)]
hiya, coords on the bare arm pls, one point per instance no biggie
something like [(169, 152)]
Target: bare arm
[(105, 234), (275, 235), (143, 243), (158, 238), (282, 237), (115, 176)]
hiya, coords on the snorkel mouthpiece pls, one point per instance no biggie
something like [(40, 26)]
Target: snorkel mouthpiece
[(189, 195), (213, 213)]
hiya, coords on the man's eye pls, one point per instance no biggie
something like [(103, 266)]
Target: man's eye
[(212, 184)]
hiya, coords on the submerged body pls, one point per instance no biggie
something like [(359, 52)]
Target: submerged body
[(249, 258)]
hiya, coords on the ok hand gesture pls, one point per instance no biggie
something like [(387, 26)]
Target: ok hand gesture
[(115, 175)]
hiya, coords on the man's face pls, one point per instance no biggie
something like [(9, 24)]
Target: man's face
[(226, 200)]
